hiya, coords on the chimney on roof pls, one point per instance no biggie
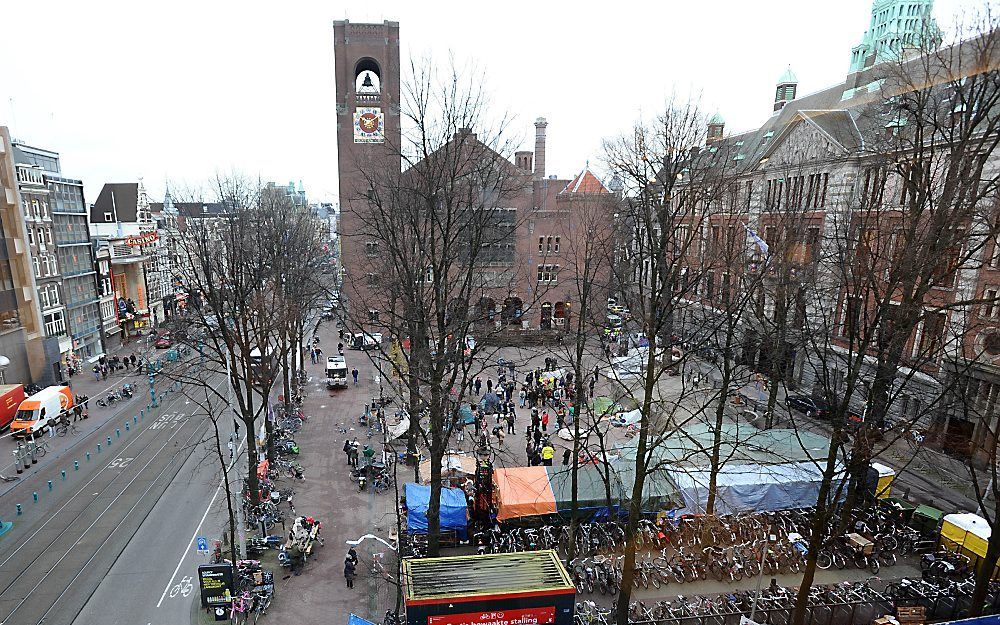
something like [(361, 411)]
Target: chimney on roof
[(465, 132), (540, 125), (523, 160)]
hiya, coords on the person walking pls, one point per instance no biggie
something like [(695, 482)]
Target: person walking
[(545, 421), (489, 385), (522, 395), (347, 450), (97, 373), (232, 449), (479, 385), (312, 355), (566, 456), (510, 422), (354, 372), (350, 571)]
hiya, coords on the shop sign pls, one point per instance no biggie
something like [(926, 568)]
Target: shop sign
[(527, 616), (142, 239), (216, 584)]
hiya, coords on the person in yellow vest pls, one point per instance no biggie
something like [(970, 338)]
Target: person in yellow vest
[(548, 453)]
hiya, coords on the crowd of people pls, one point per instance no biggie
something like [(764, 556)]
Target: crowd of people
[(548, 393)]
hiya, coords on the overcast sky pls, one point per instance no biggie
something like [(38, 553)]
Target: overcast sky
[(182, 89)]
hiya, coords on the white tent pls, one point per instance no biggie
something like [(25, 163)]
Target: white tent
[(744, 487)]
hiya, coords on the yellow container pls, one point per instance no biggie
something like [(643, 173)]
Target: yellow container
[(886, 475)]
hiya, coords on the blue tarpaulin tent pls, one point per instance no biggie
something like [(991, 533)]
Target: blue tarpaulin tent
[(357, 620), (454, 516)]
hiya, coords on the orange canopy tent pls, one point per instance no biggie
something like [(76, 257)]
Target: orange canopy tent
[(523, 491)]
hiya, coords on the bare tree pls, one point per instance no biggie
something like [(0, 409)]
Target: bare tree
[(660, 220)]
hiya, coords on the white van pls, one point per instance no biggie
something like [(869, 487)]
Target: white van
[(41, 410), (336, 371)]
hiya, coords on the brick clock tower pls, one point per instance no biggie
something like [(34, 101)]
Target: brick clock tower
[(366, 58)]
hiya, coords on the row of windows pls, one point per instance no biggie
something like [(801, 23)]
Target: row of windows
[(797, 192), (36, 208), (45, 265), (48, 296), (548, 245), (39, 236), (548, 274), (71, 229)]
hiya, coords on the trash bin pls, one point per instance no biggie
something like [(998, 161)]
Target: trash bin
[(927, 521), (900, 508)]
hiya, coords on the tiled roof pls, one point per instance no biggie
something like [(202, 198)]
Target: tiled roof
[(585, 182)]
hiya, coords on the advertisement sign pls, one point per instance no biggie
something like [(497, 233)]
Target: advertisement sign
[(216, 583), (142, 239), (528, 616)]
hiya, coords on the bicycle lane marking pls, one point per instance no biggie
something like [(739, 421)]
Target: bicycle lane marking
[(208, 508), (91, 526)]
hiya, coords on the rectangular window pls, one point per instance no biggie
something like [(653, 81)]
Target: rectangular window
[(556, 247), (373, 316), (852, 316), (31, 236), (931, 335), (371, 248), (107, 217), (991, 308)]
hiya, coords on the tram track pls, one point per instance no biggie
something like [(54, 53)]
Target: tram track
[(54, 569)]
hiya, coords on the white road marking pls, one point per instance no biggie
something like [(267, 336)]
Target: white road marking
[(194, 536)]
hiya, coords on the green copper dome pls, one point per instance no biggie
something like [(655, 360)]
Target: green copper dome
[(788, 77), (716, 120)]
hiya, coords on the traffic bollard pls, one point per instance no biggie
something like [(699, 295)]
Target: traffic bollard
[(18, 509), (50, 485), (135, 419), (76, 465), (98, 448), (142, 414), (18, 465), (63, 473), (118, 433), (34, 494), (88, 456), (127, 426), (109, 441)]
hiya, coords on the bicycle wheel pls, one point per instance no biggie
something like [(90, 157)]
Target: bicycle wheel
[(41, 450)]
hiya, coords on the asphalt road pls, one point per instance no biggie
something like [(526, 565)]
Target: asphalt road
[(62, 548)]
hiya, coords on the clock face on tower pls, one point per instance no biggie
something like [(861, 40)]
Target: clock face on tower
[(368, 125)]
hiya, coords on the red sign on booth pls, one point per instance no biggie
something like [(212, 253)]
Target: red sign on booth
[(528, 616)]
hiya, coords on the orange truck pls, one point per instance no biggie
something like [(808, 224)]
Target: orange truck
[(11, 396), (41, 410)]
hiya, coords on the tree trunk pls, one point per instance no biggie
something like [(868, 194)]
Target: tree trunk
[(819, 520), (985, 573), (635, 503), (436, 454), (229, 492)]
